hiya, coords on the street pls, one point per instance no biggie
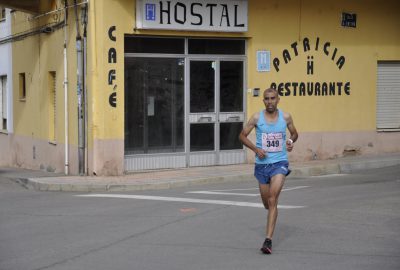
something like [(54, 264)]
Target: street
[(343, 221)]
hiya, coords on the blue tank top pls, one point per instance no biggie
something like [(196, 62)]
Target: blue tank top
[(272, 138)]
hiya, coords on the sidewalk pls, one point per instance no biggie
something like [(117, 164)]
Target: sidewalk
[(163, 179)]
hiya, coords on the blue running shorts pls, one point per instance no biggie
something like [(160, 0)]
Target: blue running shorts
[(264, 172)]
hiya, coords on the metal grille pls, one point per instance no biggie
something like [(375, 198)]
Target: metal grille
[(52, 106), (3, 102), (2, 13), (388, 96)]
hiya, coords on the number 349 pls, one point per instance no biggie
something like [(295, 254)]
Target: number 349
[(273, 143)]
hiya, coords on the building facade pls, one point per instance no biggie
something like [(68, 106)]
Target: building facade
[(169, 84), (6, 94)]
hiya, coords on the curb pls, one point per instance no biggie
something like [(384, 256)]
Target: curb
[(34, 184), (316, 170), (368, 164), (334, 167)]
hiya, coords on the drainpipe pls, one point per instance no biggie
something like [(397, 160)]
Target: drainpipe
[(85, 21), (66, 167), (81, 121)]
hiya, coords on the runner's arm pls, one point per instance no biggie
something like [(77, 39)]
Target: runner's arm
[(246, 131), (293, 131)]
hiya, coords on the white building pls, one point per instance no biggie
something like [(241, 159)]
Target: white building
[(6, 125)]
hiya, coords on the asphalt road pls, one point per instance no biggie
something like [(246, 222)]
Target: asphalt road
[(331, 222)]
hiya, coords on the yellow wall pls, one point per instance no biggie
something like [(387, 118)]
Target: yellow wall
[(36, 56), (275, 25)]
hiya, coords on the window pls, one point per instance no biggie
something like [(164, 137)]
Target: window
[(22, 87), (52, 105), (3, 102), (2, 14), (217, 46), (154, 45), (154, 105), (388, 96)]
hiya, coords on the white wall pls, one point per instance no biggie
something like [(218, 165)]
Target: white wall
[(6, 66)]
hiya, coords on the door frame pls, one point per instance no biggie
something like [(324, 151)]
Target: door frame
[(211, 158), (139, 162)]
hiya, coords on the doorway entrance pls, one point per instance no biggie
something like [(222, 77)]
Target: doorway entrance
[(184, 102), (215, 111)]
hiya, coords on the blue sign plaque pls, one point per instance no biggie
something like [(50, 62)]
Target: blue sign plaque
[(263, 61), (150, 12)]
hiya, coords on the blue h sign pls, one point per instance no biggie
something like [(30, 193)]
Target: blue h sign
[(263, 61), (150, 12)]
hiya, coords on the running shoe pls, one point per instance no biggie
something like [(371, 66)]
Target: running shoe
[(267, 246)]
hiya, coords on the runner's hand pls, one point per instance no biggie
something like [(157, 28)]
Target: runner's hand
[(289, 145), (261, 153)]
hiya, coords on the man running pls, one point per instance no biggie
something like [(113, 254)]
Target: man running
[(271, 161)]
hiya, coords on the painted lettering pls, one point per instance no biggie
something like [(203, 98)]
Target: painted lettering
[(112, 55), (306, 44), (302, 89), (326, 46), (112, 59), (294, 84), (112, 99), (294, 46), (312, 88), (183, 12), (334, 54), (211, 6), (225, 15), (340, 62), (198, 15), (340, 88), (287, 56), (276, 63), (317, 89), (111, 31), (324, 89), (166, 11), (310, 65), (111, 76), (236, 16), (331, 89), (347, 88)]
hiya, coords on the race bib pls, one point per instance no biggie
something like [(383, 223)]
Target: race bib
[(272, 142)]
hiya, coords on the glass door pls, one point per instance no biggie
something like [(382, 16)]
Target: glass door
[(202, 106), (216, 112), (154, 109)]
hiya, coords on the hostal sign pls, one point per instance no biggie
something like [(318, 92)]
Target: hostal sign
[(200, 15)]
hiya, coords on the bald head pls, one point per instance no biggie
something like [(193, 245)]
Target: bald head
[(270, 90)]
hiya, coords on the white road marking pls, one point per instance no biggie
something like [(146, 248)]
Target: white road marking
[(329, 175), (222, 192), (235, 189), (190, 200), (294, 188)]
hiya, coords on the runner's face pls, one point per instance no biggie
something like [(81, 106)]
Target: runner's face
[(271, 100)]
